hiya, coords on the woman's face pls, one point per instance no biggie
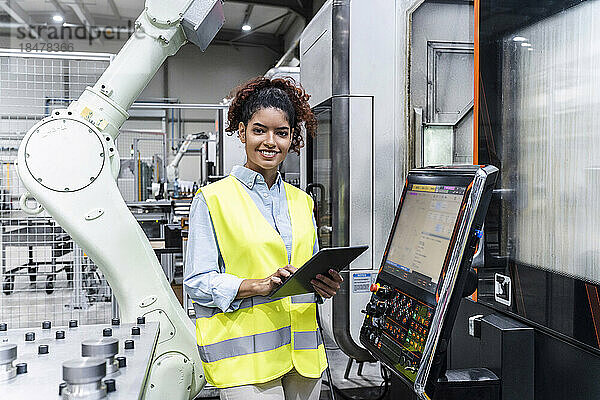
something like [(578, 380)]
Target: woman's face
[(267, 139)]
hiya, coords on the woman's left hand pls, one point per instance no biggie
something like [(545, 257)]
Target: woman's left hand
[(327, 286)]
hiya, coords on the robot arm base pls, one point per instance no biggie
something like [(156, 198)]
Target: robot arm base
[(171, 377)]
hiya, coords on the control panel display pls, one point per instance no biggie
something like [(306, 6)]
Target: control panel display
[(422, 235)]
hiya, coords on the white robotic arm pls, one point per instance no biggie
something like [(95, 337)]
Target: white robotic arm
[(68, 162), (172, 171)]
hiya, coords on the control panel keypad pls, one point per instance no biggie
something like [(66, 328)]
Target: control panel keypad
[(397, 324)]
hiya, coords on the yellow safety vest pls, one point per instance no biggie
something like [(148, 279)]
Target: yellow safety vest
[(264, 338)]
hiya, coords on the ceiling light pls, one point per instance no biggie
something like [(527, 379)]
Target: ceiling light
[(58, 18), (526, 44), (246, 28), (519, 39)]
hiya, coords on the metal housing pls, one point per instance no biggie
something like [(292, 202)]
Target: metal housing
[(340, 49), (201, 22)]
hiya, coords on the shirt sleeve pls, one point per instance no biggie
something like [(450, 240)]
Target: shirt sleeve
[(204, 278), (318, 297), (316, 245)]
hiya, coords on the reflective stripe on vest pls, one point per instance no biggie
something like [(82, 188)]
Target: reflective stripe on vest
[(264, 338), (304, 298), (307, 340), (207, 312), (245, 345), (258, 343)]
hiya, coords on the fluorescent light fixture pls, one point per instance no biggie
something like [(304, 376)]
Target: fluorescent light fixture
[(519, 39), (526, 44), (246, 28), (58, 18)]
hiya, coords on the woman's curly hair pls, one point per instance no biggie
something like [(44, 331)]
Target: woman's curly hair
[(283, 94)]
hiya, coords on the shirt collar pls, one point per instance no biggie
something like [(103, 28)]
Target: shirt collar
[(249, 177)]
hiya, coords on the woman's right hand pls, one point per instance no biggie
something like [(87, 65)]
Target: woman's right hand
[(262, 287), (273, 281)]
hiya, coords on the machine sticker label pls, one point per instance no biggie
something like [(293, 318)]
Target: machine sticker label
[(424, 188), (361, 281), (502, 289), (88, 115)]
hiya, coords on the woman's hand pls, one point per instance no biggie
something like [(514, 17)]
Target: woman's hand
[(262, 287), (327, 286)]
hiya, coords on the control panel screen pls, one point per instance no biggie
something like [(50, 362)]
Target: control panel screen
[(420, 241)]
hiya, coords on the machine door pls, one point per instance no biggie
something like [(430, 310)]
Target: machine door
[(441, 84)]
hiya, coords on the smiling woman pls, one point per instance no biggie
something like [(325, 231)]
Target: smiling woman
[(248, 232)]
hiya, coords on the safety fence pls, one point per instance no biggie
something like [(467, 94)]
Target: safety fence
[(44, 274)]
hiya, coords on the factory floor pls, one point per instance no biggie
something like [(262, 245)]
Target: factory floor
[(367, 386)]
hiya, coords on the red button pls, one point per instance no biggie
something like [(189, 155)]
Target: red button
[(374, 287)]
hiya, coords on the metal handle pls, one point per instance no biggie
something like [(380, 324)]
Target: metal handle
[(417, 134), (28, 210), (310, 190)]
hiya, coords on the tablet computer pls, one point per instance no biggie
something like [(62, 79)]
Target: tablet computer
[(337, 258)]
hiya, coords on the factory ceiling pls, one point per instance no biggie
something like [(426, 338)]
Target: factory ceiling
[(270, 20)]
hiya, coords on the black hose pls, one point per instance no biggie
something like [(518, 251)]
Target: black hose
[(385, 385), (384, 372)]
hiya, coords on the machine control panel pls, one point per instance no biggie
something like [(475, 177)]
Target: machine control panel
[(425, 271), (397, 324)]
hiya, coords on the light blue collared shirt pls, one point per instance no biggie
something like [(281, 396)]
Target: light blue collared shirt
[(205, 280)]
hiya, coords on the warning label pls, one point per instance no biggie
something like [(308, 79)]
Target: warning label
[(361, 281)]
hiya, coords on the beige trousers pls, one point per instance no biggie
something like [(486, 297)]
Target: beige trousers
[(291, 386)]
